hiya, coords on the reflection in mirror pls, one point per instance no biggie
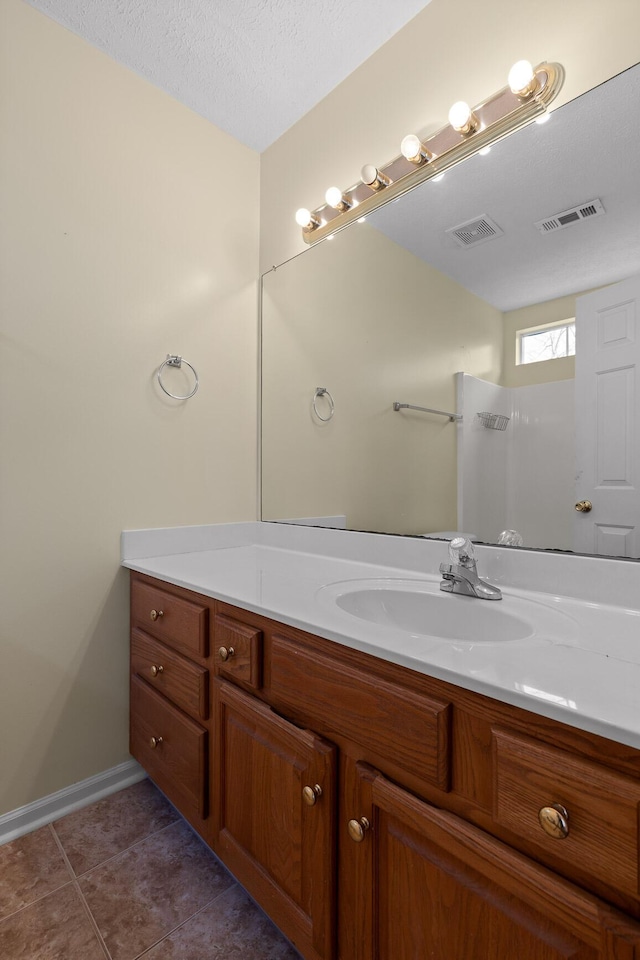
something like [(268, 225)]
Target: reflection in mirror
[(425, 303)]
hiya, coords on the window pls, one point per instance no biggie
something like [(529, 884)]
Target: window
[(546, 343)]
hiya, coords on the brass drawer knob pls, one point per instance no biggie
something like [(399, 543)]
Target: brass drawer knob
[(225, 653), (156, 670), (156, 614), (155, 742), (584, 506), (554, 820), (311, 795), (358, 828)]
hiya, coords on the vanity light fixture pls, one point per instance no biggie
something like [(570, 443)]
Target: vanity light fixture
[(463, 119), (374, 178), (470, 130), (414, 151)]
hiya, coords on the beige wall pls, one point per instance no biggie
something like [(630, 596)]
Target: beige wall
[(388, 327), (454, 49), (118, 246)]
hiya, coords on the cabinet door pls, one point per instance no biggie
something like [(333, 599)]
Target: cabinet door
[(274, 816), (432, 886)]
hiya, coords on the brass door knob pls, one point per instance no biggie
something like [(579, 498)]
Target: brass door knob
[(156, 614), (554, 820), (311, 795), (225, 653), (156, 670), (155, 742), (358, 828), (584, 506)]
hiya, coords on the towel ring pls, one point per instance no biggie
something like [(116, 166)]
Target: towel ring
[(175, 361), (323, 392)]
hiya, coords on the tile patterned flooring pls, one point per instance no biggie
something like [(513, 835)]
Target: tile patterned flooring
[(126, 878)]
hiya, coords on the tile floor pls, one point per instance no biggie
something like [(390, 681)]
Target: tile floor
[(126, 878)]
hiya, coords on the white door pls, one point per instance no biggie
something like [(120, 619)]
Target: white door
[(608, 421)]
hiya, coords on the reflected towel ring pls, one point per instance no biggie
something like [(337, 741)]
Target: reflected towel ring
[(323, 392), (175, 361)]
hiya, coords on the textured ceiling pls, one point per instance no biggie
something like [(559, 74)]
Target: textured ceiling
[(588, 150), (251, 67)]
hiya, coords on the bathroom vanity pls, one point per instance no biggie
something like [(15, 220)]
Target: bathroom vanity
[(382, 793)]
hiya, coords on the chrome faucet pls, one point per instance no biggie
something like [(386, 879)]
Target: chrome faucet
[(460, 575)]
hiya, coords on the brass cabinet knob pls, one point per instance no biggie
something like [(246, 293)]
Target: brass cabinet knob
[(358, 828), (225, 653), (311, 794), (156, 670), (155, 742), (156, 614), (554, 820), (584, 506)]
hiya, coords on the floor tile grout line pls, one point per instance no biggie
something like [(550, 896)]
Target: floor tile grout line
[(32, 903), (146, 950), (76, 886), (49, 892), (79, 876), (92, 920)]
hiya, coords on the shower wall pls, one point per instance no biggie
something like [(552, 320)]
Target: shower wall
[(521, 478)]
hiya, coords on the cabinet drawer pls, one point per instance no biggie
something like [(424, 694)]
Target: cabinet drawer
[(407, 727), (180, 623), (602, 808), (178, 761), (238, 651), (179, 679)]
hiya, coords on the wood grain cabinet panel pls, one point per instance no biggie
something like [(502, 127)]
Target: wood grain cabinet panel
[(602, 808), (440, 888), (185, 683), (280, 846), (180, 623), (409, 728), (171, 747)]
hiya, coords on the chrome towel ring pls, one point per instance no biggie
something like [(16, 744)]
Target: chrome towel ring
[(323, 392), (175, 361)]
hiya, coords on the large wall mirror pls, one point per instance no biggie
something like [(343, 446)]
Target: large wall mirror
[(433, 301)]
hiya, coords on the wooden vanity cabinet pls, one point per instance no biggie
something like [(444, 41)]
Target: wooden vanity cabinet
[(378, 814)]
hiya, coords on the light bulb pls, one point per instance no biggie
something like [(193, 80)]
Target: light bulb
[(306, 220), (335, 198), (438, 178), (373, 177), (484, 151), (462, 118), (414, 150), (522, 80), (544, 118)]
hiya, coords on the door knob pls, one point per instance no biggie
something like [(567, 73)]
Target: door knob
[(584, 506)]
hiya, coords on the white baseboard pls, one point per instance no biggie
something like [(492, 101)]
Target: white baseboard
[(37, 814)]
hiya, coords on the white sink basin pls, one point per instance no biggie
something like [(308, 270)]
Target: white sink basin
[(421, 609)]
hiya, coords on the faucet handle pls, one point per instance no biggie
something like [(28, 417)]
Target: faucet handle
[(461, 552)]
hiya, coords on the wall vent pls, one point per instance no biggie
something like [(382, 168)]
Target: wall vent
[(475, 231), (593, 208)]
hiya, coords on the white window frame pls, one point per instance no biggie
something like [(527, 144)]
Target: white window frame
[(529, 331)]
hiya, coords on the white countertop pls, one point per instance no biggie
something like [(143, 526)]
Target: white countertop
[(580, 665)]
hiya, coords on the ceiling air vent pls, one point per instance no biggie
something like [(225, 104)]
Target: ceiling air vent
[(593, 208), (474, 232)]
